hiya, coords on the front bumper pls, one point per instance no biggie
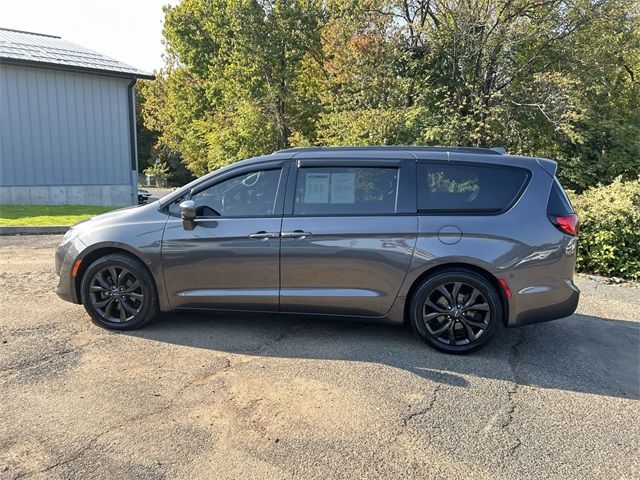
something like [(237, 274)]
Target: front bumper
[(66, 254)]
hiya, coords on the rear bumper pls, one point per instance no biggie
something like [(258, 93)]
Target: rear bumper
[(542, 303)]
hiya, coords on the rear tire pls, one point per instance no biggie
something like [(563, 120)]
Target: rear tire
[(119, 293), (456, 311)]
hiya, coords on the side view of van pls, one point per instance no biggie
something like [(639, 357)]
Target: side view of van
[(457, 241)]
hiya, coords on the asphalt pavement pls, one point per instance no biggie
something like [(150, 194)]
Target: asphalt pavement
[(245, 396)]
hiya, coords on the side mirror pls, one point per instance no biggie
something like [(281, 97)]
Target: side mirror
[(188, 214)]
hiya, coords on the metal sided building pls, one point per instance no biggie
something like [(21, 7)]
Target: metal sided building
[(67, 123)]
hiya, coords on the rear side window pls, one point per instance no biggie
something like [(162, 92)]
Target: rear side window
[(447, 188), (558, 202), (346, 191)]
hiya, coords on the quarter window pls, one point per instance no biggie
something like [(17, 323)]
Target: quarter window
[(558, 204), (346, 191), (468, 188)]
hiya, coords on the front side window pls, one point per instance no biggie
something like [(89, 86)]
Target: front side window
[(468, 188), (252, 194), (346, 191)]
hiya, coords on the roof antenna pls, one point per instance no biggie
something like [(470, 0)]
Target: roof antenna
[(500, 150)]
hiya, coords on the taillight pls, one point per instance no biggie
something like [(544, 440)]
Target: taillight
[(567, 223)]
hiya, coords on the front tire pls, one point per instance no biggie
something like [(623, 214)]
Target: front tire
[(456, 311), (119, 293)]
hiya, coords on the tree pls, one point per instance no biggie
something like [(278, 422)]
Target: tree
[(228, 90), (146, 138), (151, 146), (159, 171), (554, 78)]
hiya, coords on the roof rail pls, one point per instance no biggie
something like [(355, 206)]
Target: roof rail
[(485, 151)]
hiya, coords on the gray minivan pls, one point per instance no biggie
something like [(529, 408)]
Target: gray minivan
[(457, 240)]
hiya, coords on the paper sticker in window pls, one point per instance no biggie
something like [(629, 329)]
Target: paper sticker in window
[(343, 187), (316, 188)]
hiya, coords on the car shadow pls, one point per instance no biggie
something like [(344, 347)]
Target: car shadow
[(580, 353)]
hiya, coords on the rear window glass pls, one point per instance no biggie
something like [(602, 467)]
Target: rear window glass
[(558, 201), (468, 188), (346, 191)]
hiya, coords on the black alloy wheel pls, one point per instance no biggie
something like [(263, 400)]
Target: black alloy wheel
[(456, 311), (116, 294), (119, 293)]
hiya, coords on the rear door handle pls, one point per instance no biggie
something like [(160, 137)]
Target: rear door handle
[(296, 234), (262, 234)]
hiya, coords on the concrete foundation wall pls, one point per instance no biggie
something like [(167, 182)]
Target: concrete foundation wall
[(68, 195)]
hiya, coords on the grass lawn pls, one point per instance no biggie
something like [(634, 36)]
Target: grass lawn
[(45, 215)]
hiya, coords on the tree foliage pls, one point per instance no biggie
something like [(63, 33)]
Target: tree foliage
[(553, 78), (158, 170), (150, 146), (610, 229)]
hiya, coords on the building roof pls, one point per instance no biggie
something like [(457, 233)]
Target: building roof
[(37, 49)]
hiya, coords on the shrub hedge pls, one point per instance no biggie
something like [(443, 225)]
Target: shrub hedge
[(609, 229)]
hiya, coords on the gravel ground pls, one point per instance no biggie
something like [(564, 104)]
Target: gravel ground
[(211, 396)]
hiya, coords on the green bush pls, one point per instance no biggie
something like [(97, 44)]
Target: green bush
[(610, 229)]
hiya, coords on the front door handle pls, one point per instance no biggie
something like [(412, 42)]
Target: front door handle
[(296, 234), (262, 234)]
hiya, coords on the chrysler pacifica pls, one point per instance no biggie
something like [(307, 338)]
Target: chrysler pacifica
[(457, 241)]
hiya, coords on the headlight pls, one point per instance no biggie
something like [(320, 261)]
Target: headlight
[(72, 232), (69, 236), (63, 246)]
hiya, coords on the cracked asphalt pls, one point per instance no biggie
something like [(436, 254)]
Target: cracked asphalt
[(219, 396)]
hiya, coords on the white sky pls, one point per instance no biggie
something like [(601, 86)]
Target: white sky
[(126, 30)]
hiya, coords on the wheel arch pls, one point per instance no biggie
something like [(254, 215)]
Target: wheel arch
[(99, 251), (458, 266)]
